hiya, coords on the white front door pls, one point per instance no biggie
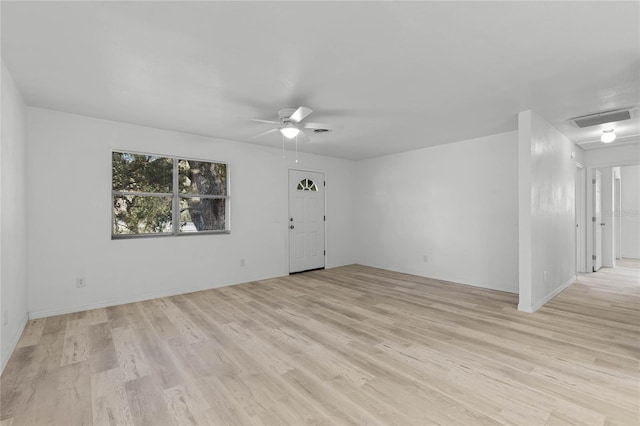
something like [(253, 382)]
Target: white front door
[(306, 220), (597, 221)]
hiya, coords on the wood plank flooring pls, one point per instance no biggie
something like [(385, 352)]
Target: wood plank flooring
[(351, 345)]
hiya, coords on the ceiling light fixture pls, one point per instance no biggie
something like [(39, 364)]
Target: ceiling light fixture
[(290, 131), (608, 136)]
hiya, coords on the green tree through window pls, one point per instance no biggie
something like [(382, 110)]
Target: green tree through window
[(199, 179), (145, 201)]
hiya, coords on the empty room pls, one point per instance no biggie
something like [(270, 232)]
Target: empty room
[(339, 213)]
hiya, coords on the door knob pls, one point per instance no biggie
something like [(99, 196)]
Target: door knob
[(291, 226)]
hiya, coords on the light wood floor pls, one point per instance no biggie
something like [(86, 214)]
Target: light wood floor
[(352, 345)]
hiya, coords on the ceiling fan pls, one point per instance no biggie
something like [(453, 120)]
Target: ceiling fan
[(291, 126)]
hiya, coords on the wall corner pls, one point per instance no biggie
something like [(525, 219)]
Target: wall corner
[(524, 211)]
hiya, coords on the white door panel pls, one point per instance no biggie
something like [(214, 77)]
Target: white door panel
[(312, 238), (299, 247), (306, 220), (597, 221)]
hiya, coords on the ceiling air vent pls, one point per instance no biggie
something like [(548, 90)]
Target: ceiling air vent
[(602, 117)]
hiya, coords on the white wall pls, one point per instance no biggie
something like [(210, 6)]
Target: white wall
[(609, 156), (546, 211), (13, 223), (630, 209), (69, 211), (454, 203)]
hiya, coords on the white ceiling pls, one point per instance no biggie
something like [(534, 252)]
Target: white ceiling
[(395, 75)]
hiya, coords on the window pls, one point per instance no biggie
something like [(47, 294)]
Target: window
[(307, 185), (156, 195)]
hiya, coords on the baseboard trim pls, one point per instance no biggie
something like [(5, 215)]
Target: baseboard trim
[(535, 306), (447, 280), (14, 342), (123, 301), (525, 308)]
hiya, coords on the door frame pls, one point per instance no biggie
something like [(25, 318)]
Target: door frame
[(581, 218), (286, 230), (617, 215), (589, 201)]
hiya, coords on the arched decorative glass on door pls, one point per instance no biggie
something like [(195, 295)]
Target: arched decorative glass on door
[(307, 185)]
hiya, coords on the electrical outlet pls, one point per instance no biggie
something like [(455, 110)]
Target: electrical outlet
[(5, 317), (544, 276), (81, 282), (242, 262), (425, 258)]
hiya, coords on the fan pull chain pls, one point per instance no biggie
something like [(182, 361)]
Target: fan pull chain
[(296, 148), (283, 157)]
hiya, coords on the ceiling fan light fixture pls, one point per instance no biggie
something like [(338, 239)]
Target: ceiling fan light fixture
[(608, 136), (290, 132)]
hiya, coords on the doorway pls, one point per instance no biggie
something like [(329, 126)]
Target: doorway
[(629, 212), (618, 218), (306, 220)]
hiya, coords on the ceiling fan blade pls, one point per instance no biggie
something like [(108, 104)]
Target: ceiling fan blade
[(257, 120), (300, 114), (302, 137), (318, 126), (265, 133)]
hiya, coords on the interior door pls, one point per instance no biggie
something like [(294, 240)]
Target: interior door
[(306, 220), (597, 221)]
